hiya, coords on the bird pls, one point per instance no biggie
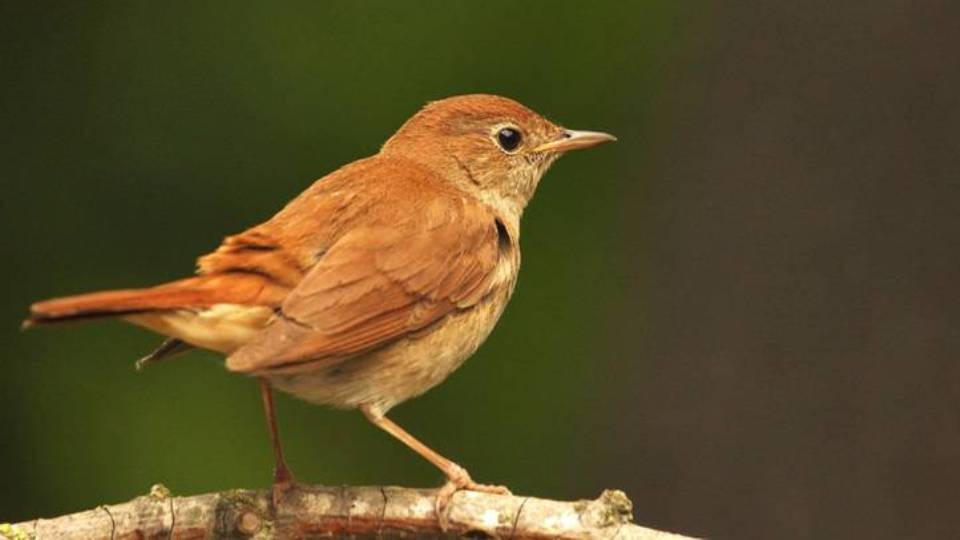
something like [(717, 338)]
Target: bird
[(375, 283)]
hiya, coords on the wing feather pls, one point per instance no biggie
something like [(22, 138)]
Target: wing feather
[(379, 283)]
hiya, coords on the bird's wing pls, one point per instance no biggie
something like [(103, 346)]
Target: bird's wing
[(285, 247), (254, 251), (378, 283)]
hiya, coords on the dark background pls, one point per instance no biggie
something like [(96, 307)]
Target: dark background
[(744, 313)]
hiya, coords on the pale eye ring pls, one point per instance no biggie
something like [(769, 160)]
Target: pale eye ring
[(509, 138)]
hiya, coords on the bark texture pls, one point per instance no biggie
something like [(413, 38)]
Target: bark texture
[(343, 512)]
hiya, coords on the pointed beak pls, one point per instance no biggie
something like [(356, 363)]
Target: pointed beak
[(575, 140)]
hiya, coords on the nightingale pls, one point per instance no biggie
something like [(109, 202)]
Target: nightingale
[(374, 284)]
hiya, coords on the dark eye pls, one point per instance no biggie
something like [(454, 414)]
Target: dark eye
[(509, 139)]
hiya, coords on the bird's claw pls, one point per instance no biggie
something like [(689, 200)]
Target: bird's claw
[(281, 490), (461, 481), (283, 485)]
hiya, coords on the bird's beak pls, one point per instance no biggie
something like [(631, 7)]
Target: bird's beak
[(575, 140)]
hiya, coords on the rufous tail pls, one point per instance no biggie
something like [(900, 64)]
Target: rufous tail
[(191, 293)]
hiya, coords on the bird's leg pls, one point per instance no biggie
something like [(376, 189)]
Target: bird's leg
[(283, 480), (457, 477)]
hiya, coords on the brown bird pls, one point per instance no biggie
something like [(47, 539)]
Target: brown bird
[(375, 283)]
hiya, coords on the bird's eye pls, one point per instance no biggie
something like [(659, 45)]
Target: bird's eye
[(509, 139)]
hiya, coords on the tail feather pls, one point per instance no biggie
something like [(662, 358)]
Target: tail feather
[(111, 304), (191, 293)]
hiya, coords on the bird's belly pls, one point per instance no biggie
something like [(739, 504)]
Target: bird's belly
[(403, 369)]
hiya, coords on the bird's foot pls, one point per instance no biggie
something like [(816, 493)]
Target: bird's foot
[(458, 480), (283, 485)]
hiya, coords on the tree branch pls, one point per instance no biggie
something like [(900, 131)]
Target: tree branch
[(312, 511)]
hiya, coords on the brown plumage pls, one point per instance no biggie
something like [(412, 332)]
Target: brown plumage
[(377, 281)]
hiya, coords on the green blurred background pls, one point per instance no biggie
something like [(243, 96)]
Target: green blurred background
[(744, 313)]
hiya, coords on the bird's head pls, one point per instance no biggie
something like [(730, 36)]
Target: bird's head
[(489, 144)]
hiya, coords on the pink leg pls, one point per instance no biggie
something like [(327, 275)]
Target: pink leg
[(457, 477), (282, 477)]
